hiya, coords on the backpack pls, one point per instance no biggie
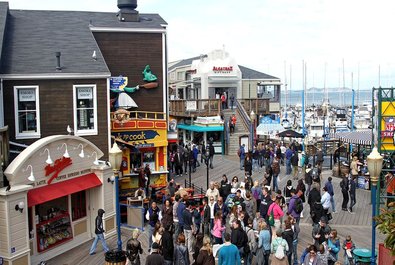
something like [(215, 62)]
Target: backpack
[(280, 251), (298, 206), (314, 173), (271, 218)]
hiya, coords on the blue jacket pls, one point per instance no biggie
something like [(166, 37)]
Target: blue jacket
[(180, 209), (242, 153), (329, 187)]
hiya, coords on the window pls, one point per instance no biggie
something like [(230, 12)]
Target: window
[(85, 110), (180, 75), (27, 112), (78, 205)]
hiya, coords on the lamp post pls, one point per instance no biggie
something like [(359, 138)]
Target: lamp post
[(115, 157), (252, 117), (375, 163)]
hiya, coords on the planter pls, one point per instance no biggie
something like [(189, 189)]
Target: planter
[(385, 256)]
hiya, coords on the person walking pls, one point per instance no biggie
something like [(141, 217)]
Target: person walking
[(133, 249), (251, 241), (329, 187), (239, 237), (167, 213), (211, 153), (155, 258), (223, 101), (153, 216), (352, 190), (288, 235), (248, 165), (321, 231), (232, 101), (206, 217), (326, 202), (276, 172), (308, 178), (295, 165), (99, 231), (344, 189), (242, 155), (265, 203)]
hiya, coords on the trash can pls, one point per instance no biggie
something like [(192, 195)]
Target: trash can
[(115, 257)]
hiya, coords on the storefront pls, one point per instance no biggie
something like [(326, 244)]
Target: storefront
[(204, 129), (57, 184), (143, 138)]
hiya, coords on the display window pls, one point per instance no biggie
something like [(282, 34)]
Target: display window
[(141, 157), (78, 205), (214, 136)]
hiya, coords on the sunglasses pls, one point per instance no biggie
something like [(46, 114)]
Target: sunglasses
[(312, 253)]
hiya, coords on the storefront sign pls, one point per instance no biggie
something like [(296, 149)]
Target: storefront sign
[(136, 135), (222, 68), (85, 93), (118, 82), (27, 94), (387, 126), (58, 166)]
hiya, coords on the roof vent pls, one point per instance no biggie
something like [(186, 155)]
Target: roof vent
[(58, 67), (127, 11)]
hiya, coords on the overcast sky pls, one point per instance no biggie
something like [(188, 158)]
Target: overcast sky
[(273, 35)]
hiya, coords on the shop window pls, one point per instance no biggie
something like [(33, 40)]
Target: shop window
[(214, 137), (180, 75), (149, 158), (78, 205), (85, 110), (27, 112)]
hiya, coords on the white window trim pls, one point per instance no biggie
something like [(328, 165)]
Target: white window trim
[(19, 135), (85, 132)]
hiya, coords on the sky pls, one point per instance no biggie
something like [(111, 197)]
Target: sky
[(276, 37)]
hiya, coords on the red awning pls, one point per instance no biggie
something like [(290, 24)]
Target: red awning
[(60, 189)]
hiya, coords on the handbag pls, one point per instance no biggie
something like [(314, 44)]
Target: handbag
[(271, 218)]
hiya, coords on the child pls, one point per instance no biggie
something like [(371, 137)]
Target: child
[(348, 247)]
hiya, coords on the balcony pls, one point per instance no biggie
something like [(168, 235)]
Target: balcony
[(124, 120), (258, 105), (195, 107)]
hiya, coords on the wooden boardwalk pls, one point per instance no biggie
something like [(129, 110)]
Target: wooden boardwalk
[(357, 225)]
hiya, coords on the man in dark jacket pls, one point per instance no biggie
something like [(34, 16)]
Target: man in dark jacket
[(344, 188), (353, 187), (167, 245), (188, 225), (265, 203), (153, 215), (314, 200), (99, 231), (155, 258), (211, 154), (206, 217), (220, 206), (238, 237)]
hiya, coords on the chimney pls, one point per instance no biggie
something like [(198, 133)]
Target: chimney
[(127, 11), (58, 67)]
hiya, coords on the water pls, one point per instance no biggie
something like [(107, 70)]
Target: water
[(335, 98)]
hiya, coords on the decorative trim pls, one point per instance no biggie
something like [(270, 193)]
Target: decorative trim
[(54, 76), (140, 30)]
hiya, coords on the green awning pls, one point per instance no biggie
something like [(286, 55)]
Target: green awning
[(196, 128)]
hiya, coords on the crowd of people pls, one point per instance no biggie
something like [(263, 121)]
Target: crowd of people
[(243, 219)]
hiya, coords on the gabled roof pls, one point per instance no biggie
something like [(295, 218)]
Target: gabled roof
[(248, 73), (33, 37), (3, 19)]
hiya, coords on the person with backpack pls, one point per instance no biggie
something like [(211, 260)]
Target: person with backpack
[(279, 248), (295, 206), (276, 213)]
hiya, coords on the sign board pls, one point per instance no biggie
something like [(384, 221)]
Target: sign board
[(387, 126), (85, 93), (27, 94), (191, 105), (118, 82), (130, 136)]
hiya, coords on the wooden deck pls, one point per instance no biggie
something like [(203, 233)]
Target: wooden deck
[(357, 225)]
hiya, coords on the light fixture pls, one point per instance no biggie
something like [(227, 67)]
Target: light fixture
[(375, 163), (49, 160), (31, 177), (252, 115), (20, 206), (111, 179), (82, 154), (115, 157), (66, 153), (96, 162)]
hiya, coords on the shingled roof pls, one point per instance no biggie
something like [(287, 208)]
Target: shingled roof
[(32, 38), (3, 19), (246, 73)]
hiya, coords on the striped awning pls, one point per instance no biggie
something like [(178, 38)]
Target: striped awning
[(356, 137)]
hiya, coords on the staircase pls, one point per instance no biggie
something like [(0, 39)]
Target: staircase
[(240, 129)]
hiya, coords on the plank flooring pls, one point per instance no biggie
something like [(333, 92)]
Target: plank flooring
[(357, 225)]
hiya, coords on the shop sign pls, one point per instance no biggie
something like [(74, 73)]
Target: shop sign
[(190, 105), (387, 126), (85, 93), (118, 82), (57, 167), (222, 68), (389, 123), (136, 135), (27, 95)]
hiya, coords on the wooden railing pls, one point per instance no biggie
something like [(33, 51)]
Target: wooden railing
[(258, 105), (195, 107), (124, 115)]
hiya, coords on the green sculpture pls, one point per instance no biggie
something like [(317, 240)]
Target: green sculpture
[(148, 75)]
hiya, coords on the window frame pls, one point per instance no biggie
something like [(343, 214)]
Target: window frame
[(93, 131), (28, 135)]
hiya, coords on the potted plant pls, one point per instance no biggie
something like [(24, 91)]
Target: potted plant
[(386, 225)]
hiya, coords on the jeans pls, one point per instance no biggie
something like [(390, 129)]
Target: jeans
[(206, 229), (288, 167), (352, 200), (295, 252), (345, 199), (275, 184), (103, 242), (211, 162), (176, 231), (333, 204), (188, 240), (241, 163), (248, 259), (150, 233), (168, 262), (255, 165)]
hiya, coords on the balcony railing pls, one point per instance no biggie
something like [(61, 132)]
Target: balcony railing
[(195, 107), (258, 105), (122, 115)]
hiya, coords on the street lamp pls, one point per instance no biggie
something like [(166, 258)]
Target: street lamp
[(253, 117), (375, 163), (115, 157)]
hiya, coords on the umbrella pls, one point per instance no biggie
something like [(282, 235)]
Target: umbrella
[(290, 133)]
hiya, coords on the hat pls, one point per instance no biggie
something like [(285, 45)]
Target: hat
[(323, 219), (155, 245)]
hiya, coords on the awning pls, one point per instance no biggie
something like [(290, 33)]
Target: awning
[(196, 128), (60, 189), (356, 137), (269, 128)]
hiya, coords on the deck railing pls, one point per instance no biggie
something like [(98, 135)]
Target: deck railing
[(195, 107), (258, 105), (124, 115)]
